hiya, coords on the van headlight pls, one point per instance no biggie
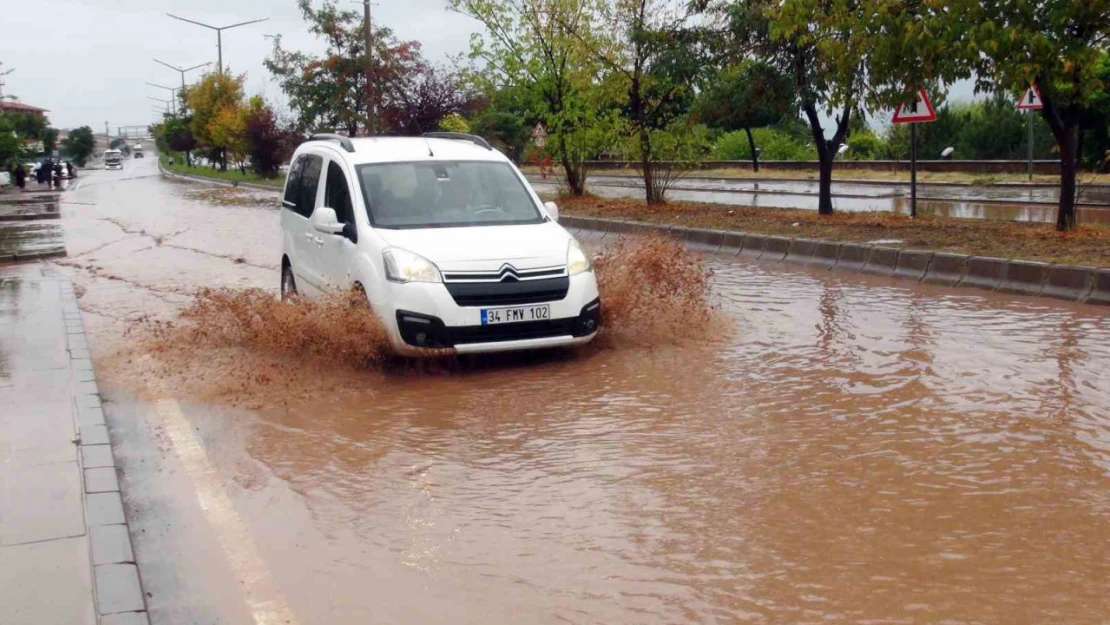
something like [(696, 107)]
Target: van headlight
[(404, 266), (577, 261)]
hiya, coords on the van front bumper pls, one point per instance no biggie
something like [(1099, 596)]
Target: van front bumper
[(426, 316)]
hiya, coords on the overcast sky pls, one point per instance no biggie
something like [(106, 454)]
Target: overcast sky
[(88, 61)]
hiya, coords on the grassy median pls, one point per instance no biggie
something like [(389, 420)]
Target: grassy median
[(1089, 245), (231, 175)]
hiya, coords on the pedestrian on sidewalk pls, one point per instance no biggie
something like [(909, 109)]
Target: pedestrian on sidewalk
[(40, 174), (58, 175), (69, 170), (48, 173), (20, 176)]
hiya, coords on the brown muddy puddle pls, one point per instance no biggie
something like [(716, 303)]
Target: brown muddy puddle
[(831, 448)]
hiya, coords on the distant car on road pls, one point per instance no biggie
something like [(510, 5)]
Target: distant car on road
[(446, 238), (137, 151), (113, 159)]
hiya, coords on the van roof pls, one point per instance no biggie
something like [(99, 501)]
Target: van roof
[(400, 149)]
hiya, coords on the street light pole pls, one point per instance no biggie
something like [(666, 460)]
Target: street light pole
[(219, 35), (173, 108), (182, 71)]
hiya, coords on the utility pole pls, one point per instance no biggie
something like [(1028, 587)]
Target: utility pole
[(182, 71), (219, 36), (2, 83), (107, 137), (369, 68)]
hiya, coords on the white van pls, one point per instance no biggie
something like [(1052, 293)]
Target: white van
[(113, 159), (447, 239)]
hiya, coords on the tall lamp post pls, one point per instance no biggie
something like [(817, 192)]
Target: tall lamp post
[(173, 99), (219, 35), (182, 70)]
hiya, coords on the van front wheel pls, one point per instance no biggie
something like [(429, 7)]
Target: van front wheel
[(288, 284)]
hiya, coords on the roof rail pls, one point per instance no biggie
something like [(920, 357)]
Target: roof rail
[(459, 136), (344, 142)]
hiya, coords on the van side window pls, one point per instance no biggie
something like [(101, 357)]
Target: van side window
[(310, 181), (293, 184), (338, 195)]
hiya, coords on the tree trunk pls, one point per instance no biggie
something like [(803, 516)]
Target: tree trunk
[(824, 161), (1069, 157), (751, 146), (576, 178), (188, 158), (1064, 122), (645, 166)]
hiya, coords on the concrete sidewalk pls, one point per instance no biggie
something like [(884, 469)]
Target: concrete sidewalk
[(65, 549)]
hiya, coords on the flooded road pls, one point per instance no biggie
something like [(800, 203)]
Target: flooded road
[(1004, 202), (840, 448)]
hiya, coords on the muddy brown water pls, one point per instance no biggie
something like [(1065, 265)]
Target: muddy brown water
[(853, 449)]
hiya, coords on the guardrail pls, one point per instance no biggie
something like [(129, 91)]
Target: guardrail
[(972, 167)]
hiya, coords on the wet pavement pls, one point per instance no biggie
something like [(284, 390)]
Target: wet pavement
[(1006, 202), (839, 448)]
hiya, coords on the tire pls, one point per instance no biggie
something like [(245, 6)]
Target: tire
[(288, 284)]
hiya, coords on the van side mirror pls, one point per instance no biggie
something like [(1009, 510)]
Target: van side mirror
[(324, 220), (552, 210)]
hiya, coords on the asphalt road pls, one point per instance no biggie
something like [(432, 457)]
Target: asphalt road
[(837, 447)]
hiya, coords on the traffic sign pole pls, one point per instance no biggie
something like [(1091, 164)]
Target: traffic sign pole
[(913, 170), (1029, 123)]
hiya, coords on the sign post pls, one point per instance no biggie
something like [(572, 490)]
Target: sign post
[(918, 111), (1030, 101)]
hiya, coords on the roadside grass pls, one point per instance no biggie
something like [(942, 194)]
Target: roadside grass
[(231, 175), (845, 173), (1089, 245)]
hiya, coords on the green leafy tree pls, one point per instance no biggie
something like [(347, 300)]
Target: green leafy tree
[(331, 91), (79, 145), (216, 103), (1005, 45), (543, 46), (50, 140), (814, 44), (179, 137), (750, 94), (504, 122), (453, 123), (653, 59)]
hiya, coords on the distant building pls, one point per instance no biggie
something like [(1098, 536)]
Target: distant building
[(19, 107)]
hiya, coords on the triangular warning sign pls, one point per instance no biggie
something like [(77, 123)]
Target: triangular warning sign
[(920, 110), (1031, 99)]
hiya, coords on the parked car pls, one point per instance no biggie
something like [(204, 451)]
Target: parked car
[(450, 244)]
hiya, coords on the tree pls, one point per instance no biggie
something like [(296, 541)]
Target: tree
[(653, 59), (267, 142), (216, 102), (419, 99), (331, 91), (544, 47), (49, 140), (227, 132), (749, 94), (453, 123), (1005, 45), (503, 121), (179, 137), (79, 145)]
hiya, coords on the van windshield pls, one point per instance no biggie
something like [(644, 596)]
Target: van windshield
[(445, 194)]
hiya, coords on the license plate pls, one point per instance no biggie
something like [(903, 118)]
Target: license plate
[(491, 316)]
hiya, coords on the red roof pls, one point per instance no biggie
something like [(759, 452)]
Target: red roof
[(12, 105)]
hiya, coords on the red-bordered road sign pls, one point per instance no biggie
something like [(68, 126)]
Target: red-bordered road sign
[(1031, 99), (920, 110)]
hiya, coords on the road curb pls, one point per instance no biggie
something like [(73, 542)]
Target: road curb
[(117, 587), (1068, 282)]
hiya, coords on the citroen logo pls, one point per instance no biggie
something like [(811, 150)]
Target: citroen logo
[(507, 273)]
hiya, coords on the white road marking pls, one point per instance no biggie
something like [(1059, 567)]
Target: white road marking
[(264, 602)]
